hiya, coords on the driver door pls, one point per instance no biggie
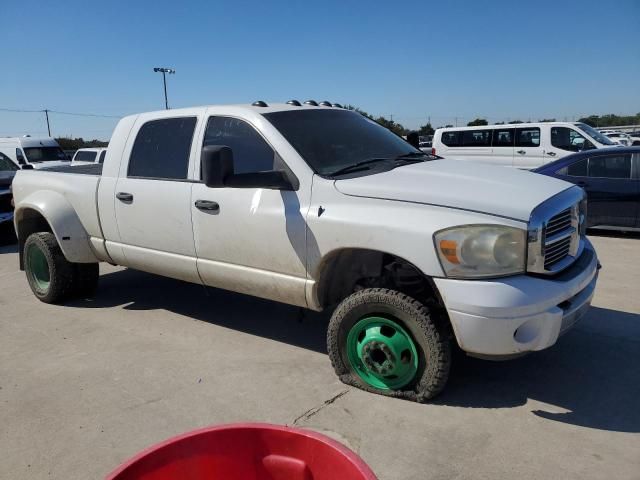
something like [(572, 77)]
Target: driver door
[(250, 240)]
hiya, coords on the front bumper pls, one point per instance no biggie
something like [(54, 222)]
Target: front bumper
[(519, 314)]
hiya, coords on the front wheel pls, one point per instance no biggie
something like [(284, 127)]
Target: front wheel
[(386, 342), (49, 274)]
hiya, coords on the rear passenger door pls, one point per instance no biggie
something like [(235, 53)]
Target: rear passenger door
[(528, 151), (153, 198)]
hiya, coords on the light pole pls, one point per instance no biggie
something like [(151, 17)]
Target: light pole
[(164, 71)]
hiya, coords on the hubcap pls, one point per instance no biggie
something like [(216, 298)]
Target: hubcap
[(382, 353), (38, 267)]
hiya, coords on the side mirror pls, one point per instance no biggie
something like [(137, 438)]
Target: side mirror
[(217, 171), (216, 163)]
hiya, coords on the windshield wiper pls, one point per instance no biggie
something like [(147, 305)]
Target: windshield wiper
[(357, 166)]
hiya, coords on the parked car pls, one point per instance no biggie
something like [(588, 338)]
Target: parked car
[(523, 145), (425, 146), (620, 138), (611, 178), (8, 170), (317, 206), (86, 156), (40, 152)]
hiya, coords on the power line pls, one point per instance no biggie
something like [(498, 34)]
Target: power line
[(15, 110)]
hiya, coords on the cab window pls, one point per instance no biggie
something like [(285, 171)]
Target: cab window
[(251, 153), (568, 139), (161, 149)]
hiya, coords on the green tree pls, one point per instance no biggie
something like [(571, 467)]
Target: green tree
[(426, 130), (76, 143), (477, 122), (547, 120)]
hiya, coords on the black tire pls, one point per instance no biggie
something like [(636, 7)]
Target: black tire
[(85, 279), (61, 272), (430, 332)]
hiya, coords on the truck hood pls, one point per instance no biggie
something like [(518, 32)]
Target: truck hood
[(494, 190)]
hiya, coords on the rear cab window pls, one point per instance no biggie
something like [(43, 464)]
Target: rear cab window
[(452, 139), (161, 149), (85, 157)]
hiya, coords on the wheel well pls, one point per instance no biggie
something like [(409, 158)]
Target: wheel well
[(31, 221), (350, 270)]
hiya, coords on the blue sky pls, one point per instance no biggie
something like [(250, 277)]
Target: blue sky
[(412, 60)]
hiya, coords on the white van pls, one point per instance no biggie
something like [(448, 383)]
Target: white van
[(86, 156), (39, 152), (522, 145)]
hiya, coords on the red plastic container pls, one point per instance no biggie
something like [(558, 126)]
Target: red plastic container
[(246, 451)]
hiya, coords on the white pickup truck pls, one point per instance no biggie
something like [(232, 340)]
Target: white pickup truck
[(319, 207)]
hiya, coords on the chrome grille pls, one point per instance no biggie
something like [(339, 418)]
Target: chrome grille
[(554, 233), (559, 222), (556, 251)]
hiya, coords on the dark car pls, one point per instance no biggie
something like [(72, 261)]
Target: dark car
[(8, 170), (611, 178)]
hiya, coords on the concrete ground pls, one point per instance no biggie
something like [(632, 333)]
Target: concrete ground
[(86, 385)]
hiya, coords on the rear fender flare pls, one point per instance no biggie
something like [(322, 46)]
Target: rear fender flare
[(64, 222)]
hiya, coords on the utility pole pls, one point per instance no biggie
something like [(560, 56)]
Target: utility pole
[(164, 72), (46, 114)]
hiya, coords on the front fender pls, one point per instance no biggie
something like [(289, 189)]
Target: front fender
[(63, 220)]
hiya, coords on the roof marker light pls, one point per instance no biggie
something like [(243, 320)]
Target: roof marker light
[(295, 103), (311, 102), (259, 103)]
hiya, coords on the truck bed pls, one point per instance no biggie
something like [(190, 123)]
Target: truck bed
[(90, 169)]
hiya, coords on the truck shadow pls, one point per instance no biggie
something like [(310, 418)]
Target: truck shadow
[(142, 291), (589, 378)]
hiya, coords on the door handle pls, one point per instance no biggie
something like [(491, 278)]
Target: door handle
[(124, 197), (521, 152), (207, 206), (551, 154)]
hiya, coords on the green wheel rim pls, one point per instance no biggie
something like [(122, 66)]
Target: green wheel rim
[(38, 267), (382, 353)]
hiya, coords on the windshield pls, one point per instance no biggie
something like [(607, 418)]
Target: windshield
[(44, 154), (595, 134), (330, 140)]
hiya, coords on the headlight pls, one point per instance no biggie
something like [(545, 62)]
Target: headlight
[(475, 251)]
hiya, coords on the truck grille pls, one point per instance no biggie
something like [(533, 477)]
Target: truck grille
[(558, 235), (555, 233)]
